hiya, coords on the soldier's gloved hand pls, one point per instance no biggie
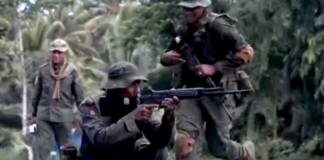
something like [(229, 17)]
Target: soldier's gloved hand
[(172, 57), (170, 104), (144, 112)]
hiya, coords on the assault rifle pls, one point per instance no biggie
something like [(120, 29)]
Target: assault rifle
[(188, 53), (155, 97)]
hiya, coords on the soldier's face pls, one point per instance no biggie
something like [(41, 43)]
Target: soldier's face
[(57, 57), (133, 90), (194, 14)]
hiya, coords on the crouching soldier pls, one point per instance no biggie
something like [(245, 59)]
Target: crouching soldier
[(116, 127)]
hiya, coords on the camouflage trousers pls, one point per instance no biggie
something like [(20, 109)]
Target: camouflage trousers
[(47, 133), (216, 114)]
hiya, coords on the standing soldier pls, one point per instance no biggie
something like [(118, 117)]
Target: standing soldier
[(117, 128), (58, 88), (221, 50)]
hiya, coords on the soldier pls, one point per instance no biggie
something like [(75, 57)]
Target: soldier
[(221, 50), (116, 127), (58, 88)]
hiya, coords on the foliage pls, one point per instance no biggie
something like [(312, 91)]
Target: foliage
[(11, 145), (9, 57), (6, 139), (287, 71), (288, 60)]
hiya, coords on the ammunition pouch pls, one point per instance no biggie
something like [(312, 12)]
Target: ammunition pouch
[(243, 82), (177, 77)]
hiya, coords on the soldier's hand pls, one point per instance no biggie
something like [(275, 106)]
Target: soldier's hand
[(31, 120), (172, 57), (206, 70), (170, 104), (144, 112)]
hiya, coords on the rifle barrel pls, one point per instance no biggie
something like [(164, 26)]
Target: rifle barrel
[(217, 92)]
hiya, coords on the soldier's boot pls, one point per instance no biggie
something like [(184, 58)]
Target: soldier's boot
[(184, 145), (249, 151), (68, 152)]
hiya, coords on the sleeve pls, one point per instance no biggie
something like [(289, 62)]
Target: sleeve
[(172, 47), (102, 135), (37, 93), (159, 134), (240, 52), (77, 88)]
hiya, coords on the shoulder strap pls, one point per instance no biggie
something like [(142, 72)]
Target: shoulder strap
[(213, 16)]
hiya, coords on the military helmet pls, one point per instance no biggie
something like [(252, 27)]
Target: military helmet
[(58, 45), (195, 3), (122, 74)]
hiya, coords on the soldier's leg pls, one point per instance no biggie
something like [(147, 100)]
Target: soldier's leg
[(189, 127), (62, 133), (219, 124), (153, 153), (44, 140)]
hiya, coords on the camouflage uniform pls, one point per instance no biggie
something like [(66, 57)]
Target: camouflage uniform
[(123, 138), (54, 116), (216, 42)]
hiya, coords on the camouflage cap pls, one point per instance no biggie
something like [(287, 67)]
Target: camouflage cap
[(195, 3), (59, 45), (122, 74)]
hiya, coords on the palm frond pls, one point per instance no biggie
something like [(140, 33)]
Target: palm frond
[(82, 49), (92, 23), (79, 36), (56, 30)]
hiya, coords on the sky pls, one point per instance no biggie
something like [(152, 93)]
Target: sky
[(22, 6)]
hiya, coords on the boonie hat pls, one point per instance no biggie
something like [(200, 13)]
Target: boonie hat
[(195, 3), (122, 74), (58, 45)]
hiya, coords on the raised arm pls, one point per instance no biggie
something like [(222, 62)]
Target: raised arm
[(240, 51)]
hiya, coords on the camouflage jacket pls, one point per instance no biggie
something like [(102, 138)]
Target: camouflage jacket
[(215, 44), (103, 139), (45, 107)]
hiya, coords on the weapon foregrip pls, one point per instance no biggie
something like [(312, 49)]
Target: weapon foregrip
[(151, 100), (156, 97)]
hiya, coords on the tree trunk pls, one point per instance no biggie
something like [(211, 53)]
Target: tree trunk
[(24, 95)]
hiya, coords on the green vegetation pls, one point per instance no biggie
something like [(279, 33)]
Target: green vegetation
[(285, 117)]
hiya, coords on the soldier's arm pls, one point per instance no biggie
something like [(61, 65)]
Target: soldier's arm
[(171, 48), (240, 51), (102, 135), (37, 93), (77, 88), (159, 134)]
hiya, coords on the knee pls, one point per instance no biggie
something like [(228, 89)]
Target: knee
[(219, 152), (162, 153), (226, 151), (184, 145)]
